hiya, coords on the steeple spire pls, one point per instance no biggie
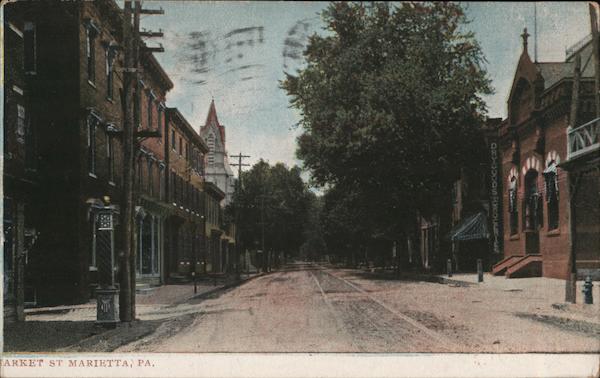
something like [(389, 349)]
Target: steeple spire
[(525, 36)]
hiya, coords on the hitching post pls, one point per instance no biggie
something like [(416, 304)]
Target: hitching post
[(106, 310), (449, 267), (479, 270)]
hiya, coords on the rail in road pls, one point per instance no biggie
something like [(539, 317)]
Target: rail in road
[(440, 340)]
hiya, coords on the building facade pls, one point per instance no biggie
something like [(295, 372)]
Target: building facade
[(533, 142), (20, 181), (74, 114), (151, 167), (63, 127), (185, 238)]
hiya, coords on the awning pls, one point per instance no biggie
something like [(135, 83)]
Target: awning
[(473, 227)]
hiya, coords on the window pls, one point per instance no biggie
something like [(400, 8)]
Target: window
[(159, 119), (150, 106), (512, 206), (93, 122), (532, 202), (174, 186), (180, 146), (110, 58), (91, 33), (173, 139), (551, 179), (172, 189), (20, 123), (29, 45), (110, 157), (161, 182), (150, 177), (139, 172)]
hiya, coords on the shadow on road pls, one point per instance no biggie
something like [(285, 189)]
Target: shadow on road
[(43, 336)]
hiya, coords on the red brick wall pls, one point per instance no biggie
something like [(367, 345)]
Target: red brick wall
[(553, 244)]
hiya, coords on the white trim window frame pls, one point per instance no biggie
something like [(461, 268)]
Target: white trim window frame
[(91, 32), (110, 157), (29, 42), (93, 121)]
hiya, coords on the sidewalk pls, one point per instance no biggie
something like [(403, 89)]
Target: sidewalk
[(549, 291), (73, 328)]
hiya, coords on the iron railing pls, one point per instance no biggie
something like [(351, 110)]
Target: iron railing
[(583, 139)]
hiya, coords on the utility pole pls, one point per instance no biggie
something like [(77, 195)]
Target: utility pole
[(132, 42), (593, 8), (239, 165)]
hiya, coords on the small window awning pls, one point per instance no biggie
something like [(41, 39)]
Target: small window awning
[(473, 227)]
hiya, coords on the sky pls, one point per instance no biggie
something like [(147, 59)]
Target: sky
[(237, 52)]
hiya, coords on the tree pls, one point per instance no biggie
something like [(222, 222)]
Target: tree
[(274, 202), (390, 104)]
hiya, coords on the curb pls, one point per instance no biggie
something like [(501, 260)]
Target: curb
[(224, 287), (429, 278), (440, 279)]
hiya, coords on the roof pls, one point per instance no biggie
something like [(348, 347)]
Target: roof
[(213, 189), (188, 129), (473, 227), (162, 75), (553, 72), (212, 116)]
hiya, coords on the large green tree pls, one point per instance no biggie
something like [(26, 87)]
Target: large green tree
[(276, 199), (390, 104)]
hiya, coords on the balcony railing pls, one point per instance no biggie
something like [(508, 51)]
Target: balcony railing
[(583, 139)]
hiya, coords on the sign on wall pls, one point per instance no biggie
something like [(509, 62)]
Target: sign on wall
[(496, 236)]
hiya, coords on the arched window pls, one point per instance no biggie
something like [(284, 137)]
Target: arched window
[(512, 205), (532, 202), (551, 180), (150, 182)]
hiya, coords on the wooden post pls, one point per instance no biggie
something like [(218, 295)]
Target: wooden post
[(595, 51), (19, 267), (571, 282), (125, 305)]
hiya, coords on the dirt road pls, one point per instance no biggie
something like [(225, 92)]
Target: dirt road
[(309, 308)]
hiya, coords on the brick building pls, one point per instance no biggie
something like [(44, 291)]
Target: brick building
[(533, 143), (74, 110), (20, 162), (215, 258), (151, 167), (64, 121), (184, 236)]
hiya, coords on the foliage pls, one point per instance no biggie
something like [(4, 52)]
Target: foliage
[(390, 104), (274, 196)]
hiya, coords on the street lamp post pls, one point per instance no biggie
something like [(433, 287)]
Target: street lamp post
[(106, 310)]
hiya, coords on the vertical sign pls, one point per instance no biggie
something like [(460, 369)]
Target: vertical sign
[(495, 198)]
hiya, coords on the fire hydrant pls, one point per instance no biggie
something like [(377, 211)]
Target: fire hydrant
[(587, 291)]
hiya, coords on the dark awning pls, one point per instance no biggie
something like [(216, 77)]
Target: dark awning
[(473, 227)]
